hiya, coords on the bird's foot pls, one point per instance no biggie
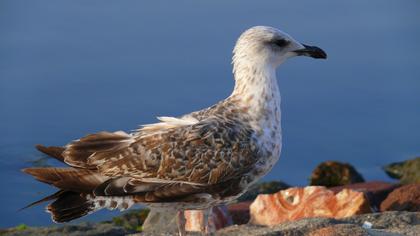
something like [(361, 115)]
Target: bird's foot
[(208, 228)]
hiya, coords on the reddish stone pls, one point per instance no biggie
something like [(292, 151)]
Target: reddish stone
[(219, 218), (240, 212), (312, 201), (340, 230), (375, 191), (405, 198)]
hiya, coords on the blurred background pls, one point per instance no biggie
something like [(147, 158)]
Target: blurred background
[(69, 68)]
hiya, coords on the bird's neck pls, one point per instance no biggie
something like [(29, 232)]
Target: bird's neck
[(256, 89), (256, 92)]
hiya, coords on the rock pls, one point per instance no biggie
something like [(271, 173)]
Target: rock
[(219, 218), (383, 224), (292, 228), (405, 198), (263, 188), (385, 220), (407, 172), (312, 201), (375, 191), (240, 212), (333, 173)]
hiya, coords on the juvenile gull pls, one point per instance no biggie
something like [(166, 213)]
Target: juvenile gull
[(195, 161)]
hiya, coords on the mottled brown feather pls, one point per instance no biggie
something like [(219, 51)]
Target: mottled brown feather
[(188, 153), (77, 153), (69, 206), (78, 180), (52, 151)]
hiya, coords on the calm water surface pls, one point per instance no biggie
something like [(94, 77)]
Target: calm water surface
[(77, 67)]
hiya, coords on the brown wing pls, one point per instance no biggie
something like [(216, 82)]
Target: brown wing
[(79, 152), (207, 153)]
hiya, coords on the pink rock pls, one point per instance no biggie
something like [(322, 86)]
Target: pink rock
[(219, 218), (313, 201)]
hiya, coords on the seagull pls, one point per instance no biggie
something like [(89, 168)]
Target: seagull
[(195, 161)]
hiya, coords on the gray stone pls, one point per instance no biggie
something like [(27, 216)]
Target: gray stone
[(407, 171)]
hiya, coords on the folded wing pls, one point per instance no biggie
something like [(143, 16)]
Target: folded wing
[(161, 163)]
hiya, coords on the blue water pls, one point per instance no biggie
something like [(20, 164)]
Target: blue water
[(68, 68)]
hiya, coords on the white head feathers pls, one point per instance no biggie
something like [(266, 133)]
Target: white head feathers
[(263, 46)]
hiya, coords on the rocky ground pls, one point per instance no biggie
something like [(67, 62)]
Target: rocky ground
[(285, 211), (375, 224), (386, 224), (89, 229)]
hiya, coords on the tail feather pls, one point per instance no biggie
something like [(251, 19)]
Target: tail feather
[(77, 180), (70, 206), (76, 197), (72, 201), (45, 199), (52, 151), (67, 206)]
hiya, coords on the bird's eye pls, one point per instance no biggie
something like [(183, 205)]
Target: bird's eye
[(281, 42)]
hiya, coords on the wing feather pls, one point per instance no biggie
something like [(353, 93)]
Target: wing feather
[(77, 153), (207, 152), (176, 159)]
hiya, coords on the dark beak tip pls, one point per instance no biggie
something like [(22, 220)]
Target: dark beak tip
[(322, 55), (317, 53), (312, 51)]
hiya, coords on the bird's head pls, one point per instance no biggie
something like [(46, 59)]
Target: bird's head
[(268, 45)]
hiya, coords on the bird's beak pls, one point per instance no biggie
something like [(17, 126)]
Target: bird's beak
[(311, 51)]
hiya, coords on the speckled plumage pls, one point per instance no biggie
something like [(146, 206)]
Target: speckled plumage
[(195, 161)]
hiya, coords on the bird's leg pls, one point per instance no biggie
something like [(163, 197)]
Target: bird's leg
[(180, 220), (207, 228), (205, 222)]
